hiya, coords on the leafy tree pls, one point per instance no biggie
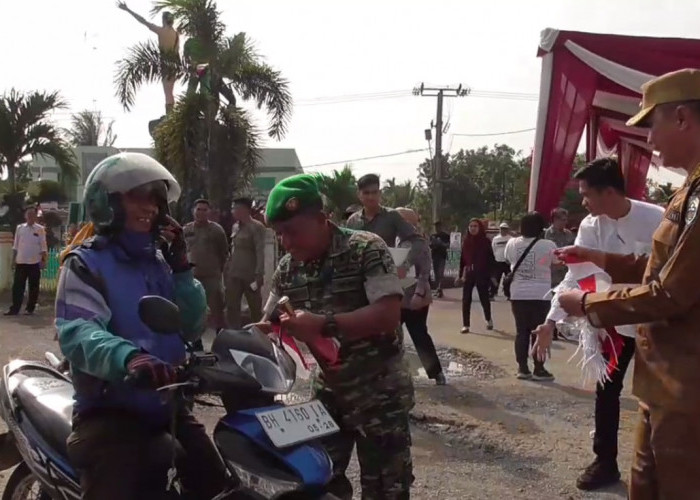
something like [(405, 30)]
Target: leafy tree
[(399, 195), (209, 142), (659, 193), (480, 181), (88, 128), (27, 131), (339, 189)]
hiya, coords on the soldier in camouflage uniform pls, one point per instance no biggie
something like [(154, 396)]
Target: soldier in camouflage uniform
[(343, 285)]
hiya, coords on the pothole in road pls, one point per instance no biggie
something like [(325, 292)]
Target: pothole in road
[(456, 364)]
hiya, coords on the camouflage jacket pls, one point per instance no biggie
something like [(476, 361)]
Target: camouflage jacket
[(358, 270)]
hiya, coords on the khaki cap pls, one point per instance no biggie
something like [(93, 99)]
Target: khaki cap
[(677, 86)]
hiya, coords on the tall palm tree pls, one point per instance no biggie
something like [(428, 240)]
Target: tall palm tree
[(219, 153), (339, 189), (88, 128), (26, 131)]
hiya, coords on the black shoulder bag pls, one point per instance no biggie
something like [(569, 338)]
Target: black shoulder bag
[(508, 278)]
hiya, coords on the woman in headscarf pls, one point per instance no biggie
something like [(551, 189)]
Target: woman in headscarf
[(475, 268)]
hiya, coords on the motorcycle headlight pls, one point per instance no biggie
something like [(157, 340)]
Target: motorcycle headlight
[(266, 486)]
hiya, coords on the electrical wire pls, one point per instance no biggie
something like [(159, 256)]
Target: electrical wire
[(409, 151), (496, 133)]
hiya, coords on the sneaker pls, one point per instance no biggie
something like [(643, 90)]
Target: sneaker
[(465, 329), (489, 325), (440, 379), (542, 375), (598, 475), (524, 374), (11, 313), (28, 313)]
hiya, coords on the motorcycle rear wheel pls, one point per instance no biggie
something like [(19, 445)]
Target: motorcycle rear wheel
[(22, 485)]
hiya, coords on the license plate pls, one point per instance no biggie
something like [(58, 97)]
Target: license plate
[(294, 424)]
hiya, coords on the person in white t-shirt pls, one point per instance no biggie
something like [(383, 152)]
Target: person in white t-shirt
[(616, 224), (531, 282), (29, 256), (501, 267)]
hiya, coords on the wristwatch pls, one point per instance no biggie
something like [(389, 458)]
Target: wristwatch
[(330, 326)]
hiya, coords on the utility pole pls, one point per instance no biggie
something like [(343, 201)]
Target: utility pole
[(438, 175)]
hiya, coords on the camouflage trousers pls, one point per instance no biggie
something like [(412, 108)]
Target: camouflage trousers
[(383, 451)]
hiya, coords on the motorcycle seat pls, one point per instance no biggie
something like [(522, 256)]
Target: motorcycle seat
[(48, 404)]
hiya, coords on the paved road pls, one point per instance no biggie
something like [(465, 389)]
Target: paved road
[(476, 438)]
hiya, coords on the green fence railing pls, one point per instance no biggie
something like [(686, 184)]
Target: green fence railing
[(49, 275)]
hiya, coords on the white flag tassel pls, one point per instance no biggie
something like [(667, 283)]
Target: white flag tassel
[(594, 366)]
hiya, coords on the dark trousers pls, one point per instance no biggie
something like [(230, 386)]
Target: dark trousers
[(416, 321), (25, 273), (528, 314), (439, 271), (607, 407), (482, 282), (383, 451), (500, 268), (120, 458)]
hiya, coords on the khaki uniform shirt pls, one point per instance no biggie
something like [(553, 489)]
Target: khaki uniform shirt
[(357, 271), (247, 261), (666, 306), (207, 248)]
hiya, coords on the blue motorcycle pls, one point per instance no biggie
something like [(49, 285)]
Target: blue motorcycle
[(270, 449)]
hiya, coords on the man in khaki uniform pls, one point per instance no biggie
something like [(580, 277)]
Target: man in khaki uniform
[(667, 305), (245, 268), (208, 250)]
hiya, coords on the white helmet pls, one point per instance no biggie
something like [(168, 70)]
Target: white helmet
[(117, 175)]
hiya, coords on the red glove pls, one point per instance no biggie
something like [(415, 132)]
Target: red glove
[(150, 372)]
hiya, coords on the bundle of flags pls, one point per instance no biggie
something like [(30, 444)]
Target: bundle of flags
[(599, 348)]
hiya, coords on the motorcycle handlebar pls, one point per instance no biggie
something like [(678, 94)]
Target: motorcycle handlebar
[(141, 380)]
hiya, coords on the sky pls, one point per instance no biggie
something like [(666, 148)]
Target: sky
[(338, 49)]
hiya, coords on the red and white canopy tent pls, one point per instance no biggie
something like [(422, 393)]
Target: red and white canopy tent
[(593, 82)]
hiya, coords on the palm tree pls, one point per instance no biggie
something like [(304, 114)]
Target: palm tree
[(27, 131), (398, 195), (219, 153), (339, 189), (88, 128)]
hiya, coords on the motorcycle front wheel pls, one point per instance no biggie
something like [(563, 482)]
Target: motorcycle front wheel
[(23, 485)]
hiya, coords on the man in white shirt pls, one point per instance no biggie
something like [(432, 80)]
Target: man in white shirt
[(620, 225), (29, 254), (498, 243)]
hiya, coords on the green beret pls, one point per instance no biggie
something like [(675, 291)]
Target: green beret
[(291, 196)]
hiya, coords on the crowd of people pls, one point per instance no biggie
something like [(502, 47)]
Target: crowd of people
[(348, 285)]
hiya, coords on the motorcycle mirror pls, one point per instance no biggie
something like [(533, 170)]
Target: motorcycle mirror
[(160, 315)]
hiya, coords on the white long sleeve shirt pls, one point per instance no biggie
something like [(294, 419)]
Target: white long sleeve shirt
[(631, 234)]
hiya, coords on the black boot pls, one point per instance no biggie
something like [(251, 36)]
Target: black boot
[(598, 475)]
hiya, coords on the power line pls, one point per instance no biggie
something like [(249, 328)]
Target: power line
[(398, 94), (496, 133), (409, 151)]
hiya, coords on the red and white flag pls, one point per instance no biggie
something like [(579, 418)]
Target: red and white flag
[(600, 347)]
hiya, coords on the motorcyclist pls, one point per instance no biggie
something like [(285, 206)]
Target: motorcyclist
[(122, 441)]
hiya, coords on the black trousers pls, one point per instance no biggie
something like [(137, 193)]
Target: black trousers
[(439, 270), (416, 321), (528, 314), (607, 407), (482, 282), (25, 273), (500, 268), (120, 458)]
